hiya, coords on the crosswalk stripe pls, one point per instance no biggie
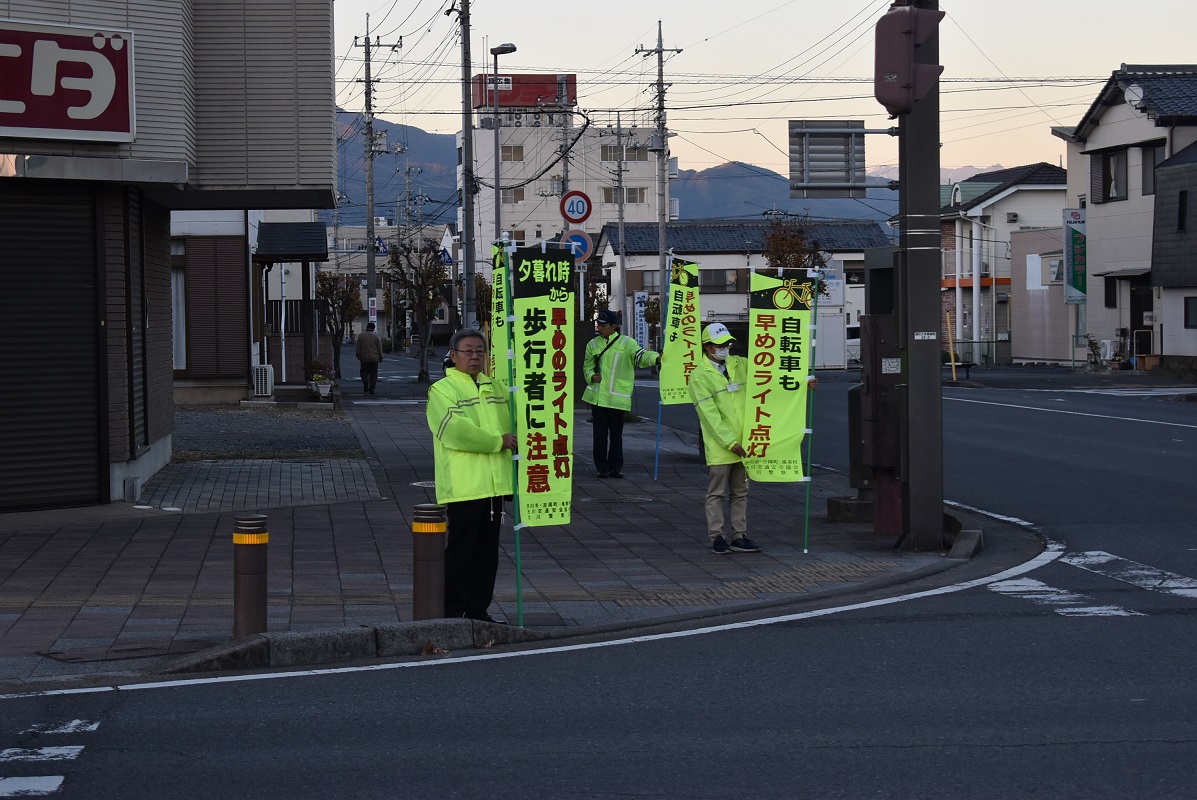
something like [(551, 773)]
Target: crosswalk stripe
[(1063, 602), (66, 753), (1132, 572), (30, 787), (74, 726)]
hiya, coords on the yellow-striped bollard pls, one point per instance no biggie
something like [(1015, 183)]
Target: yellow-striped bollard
[(249, 574), (428, 562)]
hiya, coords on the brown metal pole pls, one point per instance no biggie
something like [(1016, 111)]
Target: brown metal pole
[(249, 574), (428, 562)]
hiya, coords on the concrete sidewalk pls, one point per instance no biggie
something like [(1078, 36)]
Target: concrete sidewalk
[(124, 588)]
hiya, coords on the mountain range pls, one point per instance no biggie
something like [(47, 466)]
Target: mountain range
[(424, 165)]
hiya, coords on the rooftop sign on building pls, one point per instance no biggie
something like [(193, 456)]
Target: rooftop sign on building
[(66, 82), (526, 91)]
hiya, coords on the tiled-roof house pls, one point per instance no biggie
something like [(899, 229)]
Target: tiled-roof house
[(1142, 298), (727, 251)]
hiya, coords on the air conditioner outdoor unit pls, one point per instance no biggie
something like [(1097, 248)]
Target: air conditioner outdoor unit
[(1107, 349), (263, 380)]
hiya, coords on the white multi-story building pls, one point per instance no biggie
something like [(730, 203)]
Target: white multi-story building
[(548, 148)]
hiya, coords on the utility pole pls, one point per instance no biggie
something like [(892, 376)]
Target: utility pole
[(623, 246), (469, 315), (660, 145), (906, 74), (371, 148)]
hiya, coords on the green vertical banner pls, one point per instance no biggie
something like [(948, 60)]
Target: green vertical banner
[(683, 327), (500, 331), (543, 333), (779, 364), (1075, 268)]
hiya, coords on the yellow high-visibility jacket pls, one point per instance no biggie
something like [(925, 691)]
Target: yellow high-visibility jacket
[(616, 367), (468, 421), (720, 411)]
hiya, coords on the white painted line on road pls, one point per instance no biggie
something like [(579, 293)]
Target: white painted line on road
[(74, 726), (1073, 413), (68, 753), (1051, 553), (30, 787), (1134, 573), (1061, 601)]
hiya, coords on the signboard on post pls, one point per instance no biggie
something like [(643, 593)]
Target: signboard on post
[(827, 158), (1075, 269), (576, 207), (640, 301), (580, 243)]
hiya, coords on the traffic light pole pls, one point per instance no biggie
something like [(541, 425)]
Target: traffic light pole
[(918, 278)]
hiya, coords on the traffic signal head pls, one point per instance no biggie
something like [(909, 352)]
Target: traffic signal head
[(898, 81)]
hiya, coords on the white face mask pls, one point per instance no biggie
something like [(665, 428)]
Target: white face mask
[(721, 353)]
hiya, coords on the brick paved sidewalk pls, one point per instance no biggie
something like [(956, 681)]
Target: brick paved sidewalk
[(121, 588)]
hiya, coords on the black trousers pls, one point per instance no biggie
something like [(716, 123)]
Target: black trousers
[(472, 556), (369, 375), (608, 439)]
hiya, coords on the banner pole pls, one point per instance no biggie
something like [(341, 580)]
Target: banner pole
[(663, 299), (810, 409), (516, 521)]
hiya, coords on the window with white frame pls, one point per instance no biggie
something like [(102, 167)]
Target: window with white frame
[(610, 152), (513, 196), (651, 280), (1107, 177), (631, 194), (511, 152)]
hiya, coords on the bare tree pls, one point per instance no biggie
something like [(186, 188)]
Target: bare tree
[(789, 246), (421, 277), (342, 300)]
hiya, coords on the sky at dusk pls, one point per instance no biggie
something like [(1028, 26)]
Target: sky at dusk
[(1012, 69)]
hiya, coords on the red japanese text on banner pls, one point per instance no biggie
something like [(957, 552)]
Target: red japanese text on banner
[(682, 317), (543, 334)]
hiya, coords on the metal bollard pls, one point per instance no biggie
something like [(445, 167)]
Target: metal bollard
[(249, 574), (428, 562)]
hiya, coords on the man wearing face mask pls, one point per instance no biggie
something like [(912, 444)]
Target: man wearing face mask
[(717, 390)]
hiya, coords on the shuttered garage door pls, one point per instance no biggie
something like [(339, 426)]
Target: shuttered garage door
[(50, 406)]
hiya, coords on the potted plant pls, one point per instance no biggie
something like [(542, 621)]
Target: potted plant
[(320, 379)]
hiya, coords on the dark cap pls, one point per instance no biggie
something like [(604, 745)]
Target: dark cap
[(607, 317)]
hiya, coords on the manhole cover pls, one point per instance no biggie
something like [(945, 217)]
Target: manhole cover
[(425, 484)]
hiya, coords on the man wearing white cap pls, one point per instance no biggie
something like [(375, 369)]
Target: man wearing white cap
[(717, 389)]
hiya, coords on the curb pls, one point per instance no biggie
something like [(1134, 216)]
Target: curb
[(335, 644)]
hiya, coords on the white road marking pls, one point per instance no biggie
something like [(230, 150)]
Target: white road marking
[(1061, 601), (30, 787), (68, 753), (1134, 573), (1144, 391), (1051, 553), (74, 726), (1073, 413)]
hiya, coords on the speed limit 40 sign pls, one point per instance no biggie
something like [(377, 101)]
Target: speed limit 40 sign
[(575, 207)]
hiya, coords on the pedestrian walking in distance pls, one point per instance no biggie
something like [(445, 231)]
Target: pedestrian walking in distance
[(369, 354), (610, 363), (472, 447)]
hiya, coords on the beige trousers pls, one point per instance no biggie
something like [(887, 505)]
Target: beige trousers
[(722, 480)]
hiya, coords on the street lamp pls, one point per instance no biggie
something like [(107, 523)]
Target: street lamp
[(498, 50)]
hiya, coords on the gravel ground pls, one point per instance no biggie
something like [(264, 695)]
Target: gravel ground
[(207, 432)]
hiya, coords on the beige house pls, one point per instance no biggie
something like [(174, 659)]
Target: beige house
[(1144, 115)]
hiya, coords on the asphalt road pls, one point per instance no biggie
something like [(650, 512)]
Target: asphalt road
[(1073, 678)]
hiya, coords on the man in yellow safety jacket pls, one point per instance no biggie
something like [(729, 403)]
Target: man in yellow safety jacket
[(609, 364), (471, 435)]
